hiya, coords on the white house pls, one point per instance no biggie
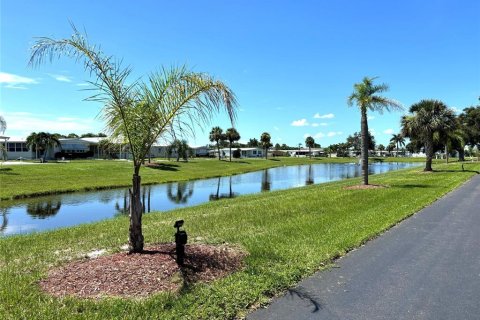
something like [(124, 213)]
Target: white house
[(244, 152)]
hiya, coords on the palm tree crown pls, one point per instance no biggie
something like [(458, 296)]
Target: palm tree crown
[(216, 134), (265, 141)]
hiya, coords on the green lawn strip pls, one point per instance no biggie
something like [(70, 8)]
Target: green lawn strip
[(288, 234), (19, 181)]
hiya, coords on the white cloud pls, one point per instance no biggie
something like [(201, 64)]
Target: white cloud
[(13, 81), (276, 128), (370, 117), (83, 84), (334, 133), (315, 124), (300, 123), (389, 131), (60, 77), (23, 123), (325, 116), (315, 136)]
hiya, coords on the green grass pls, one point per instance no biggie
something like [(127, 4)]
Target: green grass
[(288, 234), (19, 181)]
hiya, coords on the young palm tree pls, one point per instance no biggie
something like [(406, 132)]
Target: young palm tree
[(232, 135), (217, 135), (265, 141), (398, 140), (309, 142), (428, 117), (173, 100), (365, 96)]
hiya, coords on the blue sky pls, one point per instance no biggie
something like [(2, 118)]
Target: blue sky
[(292, 64)]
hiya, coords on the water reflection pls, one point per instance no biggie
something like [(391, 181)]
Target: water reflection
[(266, 183), (179, 192), (42, 210), (50, 212), (4, 224), (310, 179), (217, 195)]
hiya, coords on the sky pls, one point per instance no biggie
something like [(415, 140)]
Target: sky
[(292, 64)]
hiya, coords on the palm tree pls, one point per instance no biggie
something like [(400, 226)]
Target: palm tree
[(42, 142), (366, 98), (3, 125), (398, 139), (217, 135), (232, 135), (3, 146), (309, 142), (265, 142), (428, 117), (173, 100)]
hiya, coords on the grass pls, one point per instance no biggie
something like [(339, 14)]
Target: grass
[(20, 181), (288, 234)]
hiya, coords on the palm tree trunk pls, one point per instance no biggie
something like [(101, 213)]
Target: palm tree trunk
[(310, 152), (446, 153), (218, 149), (135, 236), (230, 151), (266, 153), (429, 152), (461, 154), (397, 151), (364, 155)]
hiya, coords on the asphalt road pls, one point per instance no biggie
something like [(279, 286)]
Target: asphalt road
[(427, 267)]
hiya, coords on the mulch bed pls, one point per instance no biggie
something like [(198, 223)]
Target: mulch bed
[(139, 275), (363, 187)]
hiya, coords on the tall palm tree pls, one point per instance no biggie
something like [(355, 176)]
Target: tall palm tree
[(232, 135), (427, 118), (217, 135), (365, 96), (309, 142), (265, 142), (3, 146), (139, 113), (3, 125), (398, 140)]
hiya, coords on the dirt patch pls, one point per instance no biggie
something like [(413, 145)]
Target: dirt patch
[(138, 275), (364, 187)]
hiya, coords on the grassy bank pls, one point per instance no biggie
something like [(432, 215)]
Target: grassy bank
[(288, 234), (36, 179)]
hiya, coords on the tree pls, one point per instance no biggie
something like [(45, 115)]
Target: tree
[(366, 98), (3, 125), (310, 142), (232, 135), (265, 141), (3, 147), (253, 143), (398, 139), (72, 135), (355, 141), (427, 118), (470, 124), (41, 142), (216, 134), (139, 113)]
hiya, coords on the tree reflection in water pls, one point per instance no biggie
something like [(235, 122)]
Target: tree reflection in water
[(266, 184), (4, 224), (42, 210), (184, 190), (218, 196), (310, 179), (146, 193)]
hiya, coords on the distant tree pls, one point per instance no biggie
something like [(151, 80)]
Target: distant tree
[(309, 142), (3, 125), (470, 123), (277, 146), (232, 135), (427, 118), (265, 141), (181, 148), (390, 148), (381, 147), (3, 147), (284, 147), (72, 135), (237, 153), (216, 134), (355, 141), (397, 139), (101, 135), (252, 143), (42, 142), (366, 98), (88, 135)]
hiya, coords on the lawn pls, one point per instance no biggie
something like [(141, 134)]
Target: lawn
[(288, 235), (55, 177)]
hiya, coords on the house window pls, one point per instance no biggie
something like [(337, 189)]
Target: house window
[(254, 152)]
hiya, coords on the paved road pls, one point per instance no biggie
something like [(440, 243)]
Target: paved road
[(427, 267)]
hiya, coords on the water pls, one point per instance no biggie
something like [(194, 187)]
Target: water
[(50, 212)]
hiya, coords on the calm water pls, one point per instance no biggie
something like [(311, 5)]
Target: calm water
[(50, 212)]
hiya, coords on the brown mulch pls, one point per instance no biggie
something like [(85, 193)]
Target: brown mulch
[(364, 187), (141, 274)]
